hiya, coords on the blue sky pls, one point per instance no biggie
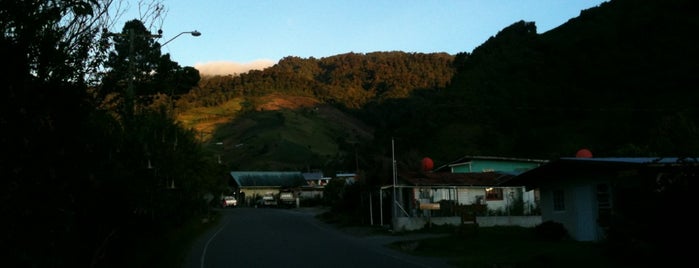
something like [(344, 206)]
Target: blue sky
[(238, 35)]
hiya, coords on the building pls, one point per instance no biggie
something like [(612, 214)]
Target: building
[(588, 196), (253, 185)]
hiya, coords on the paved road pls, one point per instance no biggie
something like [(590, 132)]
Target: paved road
[(257, 237)]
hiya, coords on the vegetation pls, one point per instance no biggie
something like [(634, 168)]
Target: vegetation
[(511, 247), (351, 79), (91, 165)]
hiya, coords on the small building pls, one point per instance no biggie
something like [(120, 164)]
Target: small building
[(315, 185), (349, 178), (474, 188), (425, 198), (588, 195), (499, 198), (315, 178), (252, 185)]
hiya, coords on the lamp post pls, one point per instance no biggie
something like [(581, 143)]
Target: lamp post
[(194, 33), (220, 143)]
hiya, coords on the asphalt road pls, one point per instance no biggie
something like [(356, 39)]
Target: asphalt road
[(268, 237)]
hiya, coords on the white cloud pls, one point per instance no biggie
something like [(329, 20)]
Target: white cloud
[(232, 68)]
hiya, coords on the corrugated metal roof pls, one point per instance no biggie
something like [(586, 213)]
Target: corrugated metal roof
[(571, 166), (312, 175), (467, 159), (268, 178), (454, 179), (635, 160)]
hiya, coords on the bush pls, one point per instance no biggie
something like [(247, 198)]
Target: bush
[(550, 231)]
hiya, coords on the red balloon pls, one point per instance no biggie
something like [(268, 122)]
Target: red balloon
[(427, 164), (583, 153)]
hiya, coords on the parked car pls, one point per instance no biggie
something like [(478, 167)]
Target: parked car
[(287, 199), (229, 201), (268, 200)]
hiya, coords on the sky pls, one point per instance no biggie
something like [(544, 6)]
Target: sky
[(239, 35)]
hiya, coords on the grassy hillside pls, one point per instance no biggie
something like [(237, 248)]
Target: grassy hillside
[(205, 120), (283, 133)]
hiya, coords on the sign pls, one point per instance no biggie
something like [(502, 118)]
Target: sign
[(430, 206)]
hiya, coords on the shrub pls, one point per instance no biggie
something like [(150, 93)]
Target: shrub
[(550, 231)]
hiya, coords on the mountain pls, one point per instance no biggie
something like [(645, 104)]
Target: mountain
[(296, 115), (618, 79)]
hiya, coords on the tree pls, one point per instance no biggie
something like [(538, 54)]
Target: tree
[(137, 71), (68, 168)]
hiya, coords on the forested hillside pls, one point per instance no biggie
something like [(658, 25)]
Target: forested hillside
[(351, 79), (295, 114), (619, 80)]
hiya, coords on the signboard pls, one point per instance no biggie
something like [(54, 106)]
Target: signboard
[(430, 206)]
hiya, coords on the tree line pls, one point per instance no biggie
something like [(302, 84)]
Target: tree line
[(92, 165), (350, 80)]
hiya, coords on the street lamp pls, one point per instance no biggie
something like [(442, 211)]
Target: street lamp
[(220, 143), (194, 33)]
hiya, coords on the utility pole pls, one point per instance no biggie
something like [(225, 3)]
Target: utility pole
[(393, 157), (128, 98), (129, 93)]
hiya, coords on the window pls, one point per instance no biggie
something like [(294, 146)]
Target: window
[(604, 205), (425, 194), (493, 193), (558, 200)]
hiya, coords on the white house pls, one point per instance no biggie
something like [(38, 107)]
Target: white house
[(589, 195)]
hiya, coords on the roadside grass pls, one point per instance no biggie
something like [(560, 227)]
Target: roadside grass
[(179, 241), (508, 247), (169, 248)]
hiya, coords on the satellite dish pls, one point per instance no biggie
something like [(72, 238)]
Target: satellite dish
[(427, 164), (583, 153)]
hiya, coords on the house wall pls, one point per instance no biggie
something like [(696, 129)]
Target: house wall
[(509, 195), (469, 196), (402, 224), (311, 193), (531, 200), (580, 214), (418, 223), (461, 195), (475, 195), (523, 221)]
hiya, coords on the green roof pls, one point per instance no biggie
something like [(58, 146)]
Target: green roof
[(268, 178)]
